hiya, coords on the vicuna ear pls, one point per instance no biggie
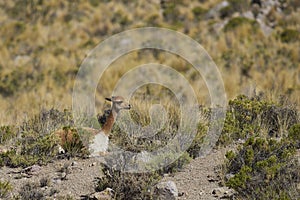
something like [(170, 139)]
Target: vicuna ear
[(108, 99)]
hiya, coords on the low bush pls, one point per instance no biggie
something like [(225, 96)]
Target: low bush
[(238, 21), (31, 191), (199, 12), (294, 135), (289, 35), (7, 133), (264, 169), (226, 11), (128, 185), (247, 117), (36, 144)]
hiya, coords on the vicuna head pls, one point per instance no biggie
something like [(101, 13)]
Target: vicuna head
[(118, 103)]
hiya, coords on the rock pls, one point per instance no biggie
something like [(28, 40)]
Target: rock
[(265, 29), (215, 11), (106, 194), (165, 191), (229, 176), (22, 60), (220, 25), (63, 176), (60, 150), (92, 164), (32, 170), (248, 15), (74, 163), (3, 149), (223, 192), (211, 178)]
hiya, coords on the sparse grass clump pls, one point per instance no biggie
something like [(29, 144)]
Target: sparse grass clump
[(5, 188), (197, 143), (128, 185), (31, 191), (7, 133), (36, 144)]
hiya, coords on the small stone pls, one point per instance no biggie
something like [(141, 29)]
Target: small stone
[(212, 178), (229, 176), (63, 176), (180, 194), (223, 192), (103, 195), (165, 191), (57, 181), (61, 150), (92, 164)]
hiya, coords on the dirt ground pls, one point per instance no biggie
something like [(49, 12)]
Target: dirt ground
[(200, 178), (74, 177), (77, 177)]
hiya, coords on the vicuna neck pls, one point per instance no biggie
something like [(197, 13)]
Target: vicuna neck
[(109, 122)]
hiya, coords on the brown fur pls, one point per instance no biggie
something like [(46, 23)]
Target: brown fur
[(67, 135), (71, 136), (109, 124)]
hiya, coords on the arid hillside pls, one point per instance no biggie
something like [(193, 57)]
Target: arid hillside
[(255, 46)]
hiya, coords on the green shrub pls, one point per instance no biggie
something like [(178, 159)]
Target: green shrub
[(12, 159), (289, 35), (226, 11), (294, 135), (198, 12), (238, 21), (240, 179), (247, 117), (264, 169), (242, 119), (230, 155)]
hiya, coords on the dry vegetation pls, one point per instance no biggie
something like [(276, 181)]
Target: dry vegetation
[(43, 43)]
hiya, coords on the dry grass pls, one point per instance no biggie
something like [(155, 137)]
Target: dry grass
[(51, 42)]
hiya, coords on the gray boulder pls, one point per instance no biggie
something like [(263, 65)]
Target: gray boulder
[(165, 191)]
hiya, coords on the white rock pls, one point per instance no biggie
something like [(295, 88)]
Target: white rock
[(165, 191), (106, 194), (223, 192)]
